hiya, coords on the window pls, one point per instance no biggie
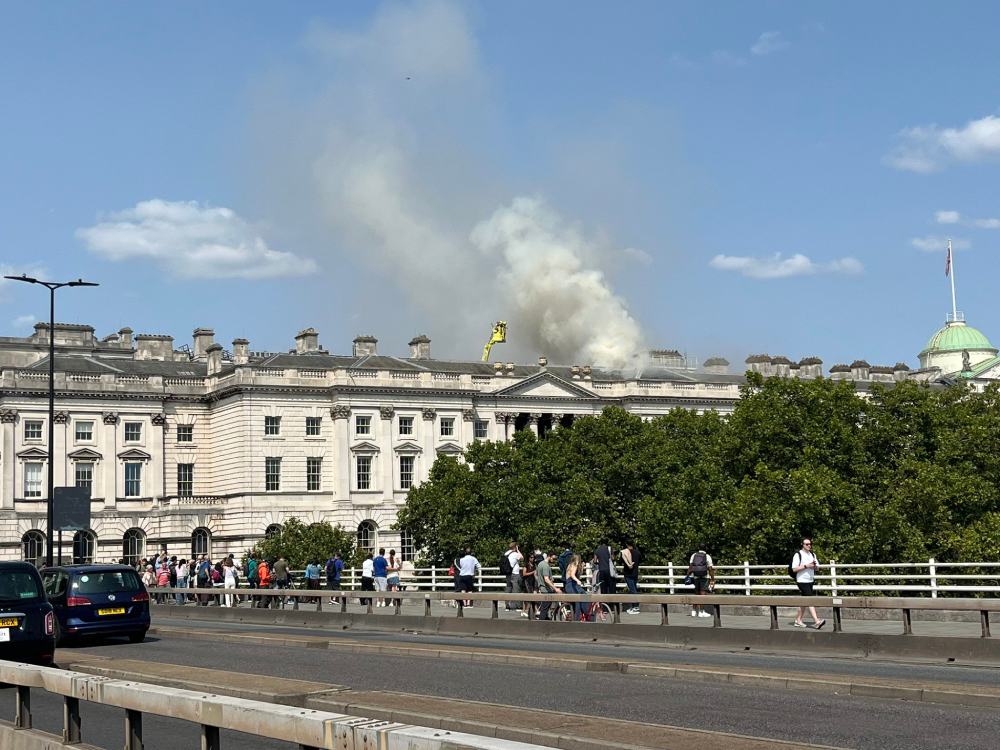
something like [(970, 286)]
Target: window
[(364, 464), (84, 547), (84, 475), (406, 472), (406, 548), (447, 427), (362, 425), (314, 470), (32, 429), (133, 432), (481, 427), (33, 480), (84, 432), (313, 426), (272, 531), (185, 480), (133, 546), (272, 474), (406, 425), (33, 546), (272, 425), (133, 479), (185, 433), (366, 536), (201, 542)]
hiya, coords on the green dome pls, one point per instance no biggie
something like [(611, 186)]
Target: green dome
[(958, 337)]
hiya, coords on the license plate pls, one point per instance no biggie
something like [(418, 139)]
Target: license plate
[(4, 635), (9, 622), (112, 611)]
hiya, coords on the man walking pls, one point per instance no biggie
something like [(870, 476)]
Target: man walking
[(334, 569), (467, 568), (543, 577), (603, 555), (367, 577), (805, 565), (380, 568), (279, 577), (702, 570), (630, 571), (514, 585)]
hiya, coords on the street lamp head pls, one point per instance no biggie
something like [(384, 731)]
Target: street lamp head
[(23, 277), (81, 282)]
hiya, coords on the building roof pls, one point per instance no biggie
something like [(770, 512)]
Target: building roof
[(956, 337)]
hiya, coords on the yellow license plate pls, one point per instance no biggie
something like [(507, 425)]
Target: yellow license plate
[(9, 622), (112, 611)]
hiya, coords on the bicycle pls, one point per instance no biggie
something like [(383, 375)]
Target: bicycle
[(594, 612)]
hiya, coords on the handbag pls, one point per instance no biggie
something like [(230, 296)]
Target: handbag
[(688, 579)]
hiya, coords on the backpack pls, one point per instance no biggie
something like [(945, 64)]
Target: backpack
[(331, 569), (506, 568), (791, 568), (699, 565)]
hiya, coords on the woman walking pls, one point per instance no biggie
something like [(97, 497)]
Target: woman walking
[(573, 585), (229, 580)]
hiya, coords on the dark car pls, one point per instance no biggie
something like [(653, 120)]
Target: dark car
[(27, 624), (97, 600)]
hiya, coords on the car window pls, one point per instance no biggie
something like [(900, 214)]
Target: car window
[(55, 582), (19, 586), (108, 581)]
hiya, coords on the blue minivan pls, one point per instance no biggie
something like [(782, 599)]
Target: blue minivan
[(97, 600), (27, 624)]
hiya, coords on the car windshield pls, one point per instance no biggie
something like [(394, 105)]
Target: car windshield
[(18, 586), (106, 582)]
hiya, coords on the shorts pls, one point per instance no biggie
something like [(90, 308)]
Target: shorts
[(701, 584), (805, 588), (466, 583)]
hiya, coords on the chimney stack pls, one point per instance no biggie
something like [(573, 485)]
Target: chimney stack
[(760, 363), (154, 346), (543, 362), (810, 368), (860, 370), (214, 355), (307, 341), (420, 347), (364, 346), (900, 372), (717, 366), (241, 351), (203, 338), (840, 372), (125, 337)]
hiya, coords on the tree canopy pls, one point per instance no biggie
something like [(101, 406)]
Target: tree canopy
[(905, 472), (300, 544)]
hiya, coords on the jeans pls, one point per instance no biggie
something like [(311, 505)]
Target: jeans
[(571, 588), (367, 584), (181, 584), (632, 584), (515, 585), (543, 607)]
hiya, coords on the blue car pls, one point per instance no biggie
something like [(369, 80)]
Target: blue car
[(27, 624), (97, 600)]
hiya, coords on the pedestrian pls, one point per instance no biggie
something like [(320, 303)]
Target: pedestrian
[(392, 573), (543, 579), (229, 580), (528, 579), (468, 566), (603, 555), (804, 565), (573, 585), (312, 577), (149, 577), (380, 571), (252, 578), (279, 577), (334, 570), (630, 571), (162, 580), (367, 577), (512, 572), (564, 558), (702, 571), (183, 573), (263, 582)]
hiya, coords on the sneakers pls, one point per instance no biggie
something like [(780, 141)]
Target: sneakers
[(632, 611), (820, 624), (694, 613), (798, 624), (524, 614), (704, 614)]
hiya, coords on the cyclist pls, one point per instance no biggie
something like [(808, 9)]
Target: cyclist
[(573, 584)]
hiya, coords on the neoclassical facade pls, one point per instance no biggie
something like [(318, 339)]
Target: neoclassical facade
[(197, 449)]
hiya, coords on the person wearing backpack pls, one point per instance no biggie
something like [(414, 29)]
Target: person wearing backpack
[(334, 569), (510, 567), (702, 571), (804, 566)]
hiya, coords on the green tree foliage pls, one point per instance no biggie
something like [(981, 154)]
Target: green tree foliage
[(300, 544), (905, 471)]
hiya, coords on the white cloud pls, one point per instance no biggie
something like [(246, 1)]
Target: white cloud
[(987, 223), (6, 269), (768, 43), (777, 267), (947, 217), (191, 241), (23, 321), (933, 243), (639, 256), (929, 148)]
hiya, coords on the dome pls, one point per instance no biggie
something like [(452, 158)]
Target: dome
[(957, 337)]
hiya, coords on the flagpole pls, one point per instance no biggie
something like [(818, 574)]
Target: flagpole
[(954, 307)]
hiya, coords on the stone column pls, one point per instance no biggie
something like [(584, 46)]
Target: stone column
[(8, 422), (341, 415), (468, 428), (429, 437), (556, 419), (501, 418), (533, 422), (385, 449), (109, 468)]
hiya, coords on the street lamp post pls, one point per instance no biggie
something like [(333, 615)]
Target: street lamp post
[(51, 286)]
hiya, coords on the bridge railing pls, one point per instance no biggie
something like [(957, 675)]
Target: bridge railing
[(931, 578), (339, 600), (308, 728)]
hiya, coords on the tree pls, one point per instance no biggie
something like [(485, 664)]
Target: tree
[(300, 544)]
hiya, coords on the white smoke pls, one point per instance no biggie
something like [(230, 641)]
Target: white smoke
[(406, 178)]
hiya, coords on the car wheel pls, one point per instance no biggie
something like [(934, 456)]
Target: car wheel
[(137, 637)]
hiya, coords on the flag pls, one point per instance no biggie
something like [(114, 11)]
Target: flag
[(947, 262)]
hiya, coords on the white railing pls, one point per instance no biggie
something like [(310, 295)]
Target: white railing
[(931, 578), (312, 373)]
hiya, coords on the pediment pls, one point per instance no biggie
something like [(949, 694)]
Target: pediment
[(546, 385), (32, 453), (364, 447), (409, 447), (450, 449), (134, 454), (85, 454)]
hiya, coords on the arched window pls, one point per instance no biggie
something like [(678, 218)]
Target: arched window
[(201, 542), (406, 550), (84, 547), (366, 536), (33, 546), (133, 546), (273, 530)]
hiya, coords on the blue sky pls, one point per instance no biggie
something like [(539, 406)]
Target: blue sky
[(725, 179)]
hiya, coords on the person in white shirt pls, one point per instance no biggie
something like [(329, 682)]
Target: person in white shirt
[(514, 583), (229, 580), (805, 565), (367, 576), (467, 568)]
